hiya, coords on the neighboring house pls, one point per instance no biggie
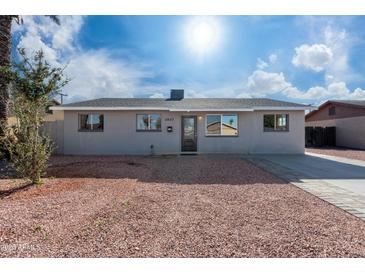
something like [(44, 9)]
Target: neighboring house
[(348, 116), (178, 125)]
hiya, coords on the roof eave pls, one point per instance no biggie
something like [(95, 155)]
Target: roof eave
[(343, 103), (285, 108), (209, 109), (106, 108), (184, 109)]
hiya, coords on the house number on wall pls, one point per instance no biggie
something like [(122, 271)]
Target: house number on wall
[(169, 119)]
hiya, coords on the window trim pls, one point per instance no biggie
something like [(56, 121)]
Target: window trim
[(149, 119), (89, 130), (220, 114), (275, 130)]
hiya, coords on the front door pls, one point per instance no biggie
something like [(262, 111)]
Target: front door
[(189, 134)]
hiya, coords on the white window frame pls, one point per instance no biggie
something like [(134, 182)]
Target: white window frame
[(220, 135), (149, 122)]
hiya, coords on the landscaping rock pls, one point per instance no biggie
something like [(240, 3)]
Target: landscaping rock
[(190, 206)]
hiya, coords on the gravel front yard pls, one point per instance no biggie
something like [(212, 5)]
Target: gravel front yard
[(340, 152), (187, 206)]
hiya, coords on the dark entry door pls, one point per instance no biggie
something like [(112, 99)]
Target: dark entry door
[(189, 134)]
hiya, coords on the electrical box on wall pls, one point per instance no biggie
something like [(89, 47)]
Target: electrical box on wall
[(169, 129)]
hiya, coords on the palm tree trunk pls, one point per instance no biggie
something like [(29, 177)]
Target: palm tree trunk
[(5, 48)]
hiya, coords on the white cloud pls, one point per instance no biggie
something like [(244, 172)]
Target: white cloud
[(157, 95), (357, 94), (329, 78), (64, 37), (198, 93), (40, 32), (262, 82), (273, 58), (93, 73), (31, 40), (341, 43), (245, 95), (332, 33), (338, 89), (32, 43), (261, 64), (96, 74), (316, 92), (61, 36), (315, 57)]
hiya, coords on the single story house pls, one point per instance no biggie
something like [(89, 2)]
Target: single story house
[(347, 116), (179, 125)]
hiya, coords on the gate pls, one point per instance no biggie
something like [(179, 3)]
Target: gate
[(320, 136)]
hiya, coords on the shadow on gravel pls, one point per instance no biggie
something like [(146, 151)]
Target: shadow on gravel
[(7, 192)]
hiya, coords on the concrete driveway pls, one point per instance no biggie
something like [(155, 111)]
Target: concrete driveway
[(337, 180)]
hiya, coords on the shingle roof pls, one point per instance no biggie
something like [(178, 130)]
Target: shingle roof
[(350, 102), (186, 103), (354, 103)]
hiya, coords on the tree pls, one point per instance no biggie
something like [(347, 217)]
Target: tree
[(5, 49), (33, 85)]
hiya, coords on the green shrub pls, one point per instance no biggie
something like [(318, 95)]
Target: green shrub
[(34, 83)]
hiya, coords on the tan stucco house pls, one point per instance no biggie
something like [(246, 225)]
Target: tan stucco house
[(347, 116), (178, 125)]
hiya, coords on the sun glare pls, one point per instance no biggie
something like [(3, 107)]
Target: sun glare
[(202, 35)]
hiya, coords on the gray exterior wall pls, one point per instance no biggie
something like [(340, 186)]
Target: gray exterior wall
[(53, 126), (120, 135), (350, 132)]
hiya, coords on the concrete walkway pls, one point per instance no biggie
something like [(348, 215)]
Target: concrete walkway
[(339, 181)]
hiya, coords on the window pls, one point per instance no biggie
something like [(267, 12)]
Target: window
[(269, 122), (91, 122), (281, 122), (214, 124), (332, 111), (148, 122), (221, 125), (276, 122)]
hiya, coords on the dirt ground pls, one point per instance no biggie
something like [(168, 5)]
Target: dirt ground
[(173, 206), (340, 152)]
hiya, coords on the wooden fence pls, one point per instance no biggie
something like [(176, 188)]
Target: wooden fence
[(320, 136)]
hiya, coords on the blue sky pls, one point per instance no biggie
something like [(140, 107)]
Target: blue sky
[(301, 59)]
